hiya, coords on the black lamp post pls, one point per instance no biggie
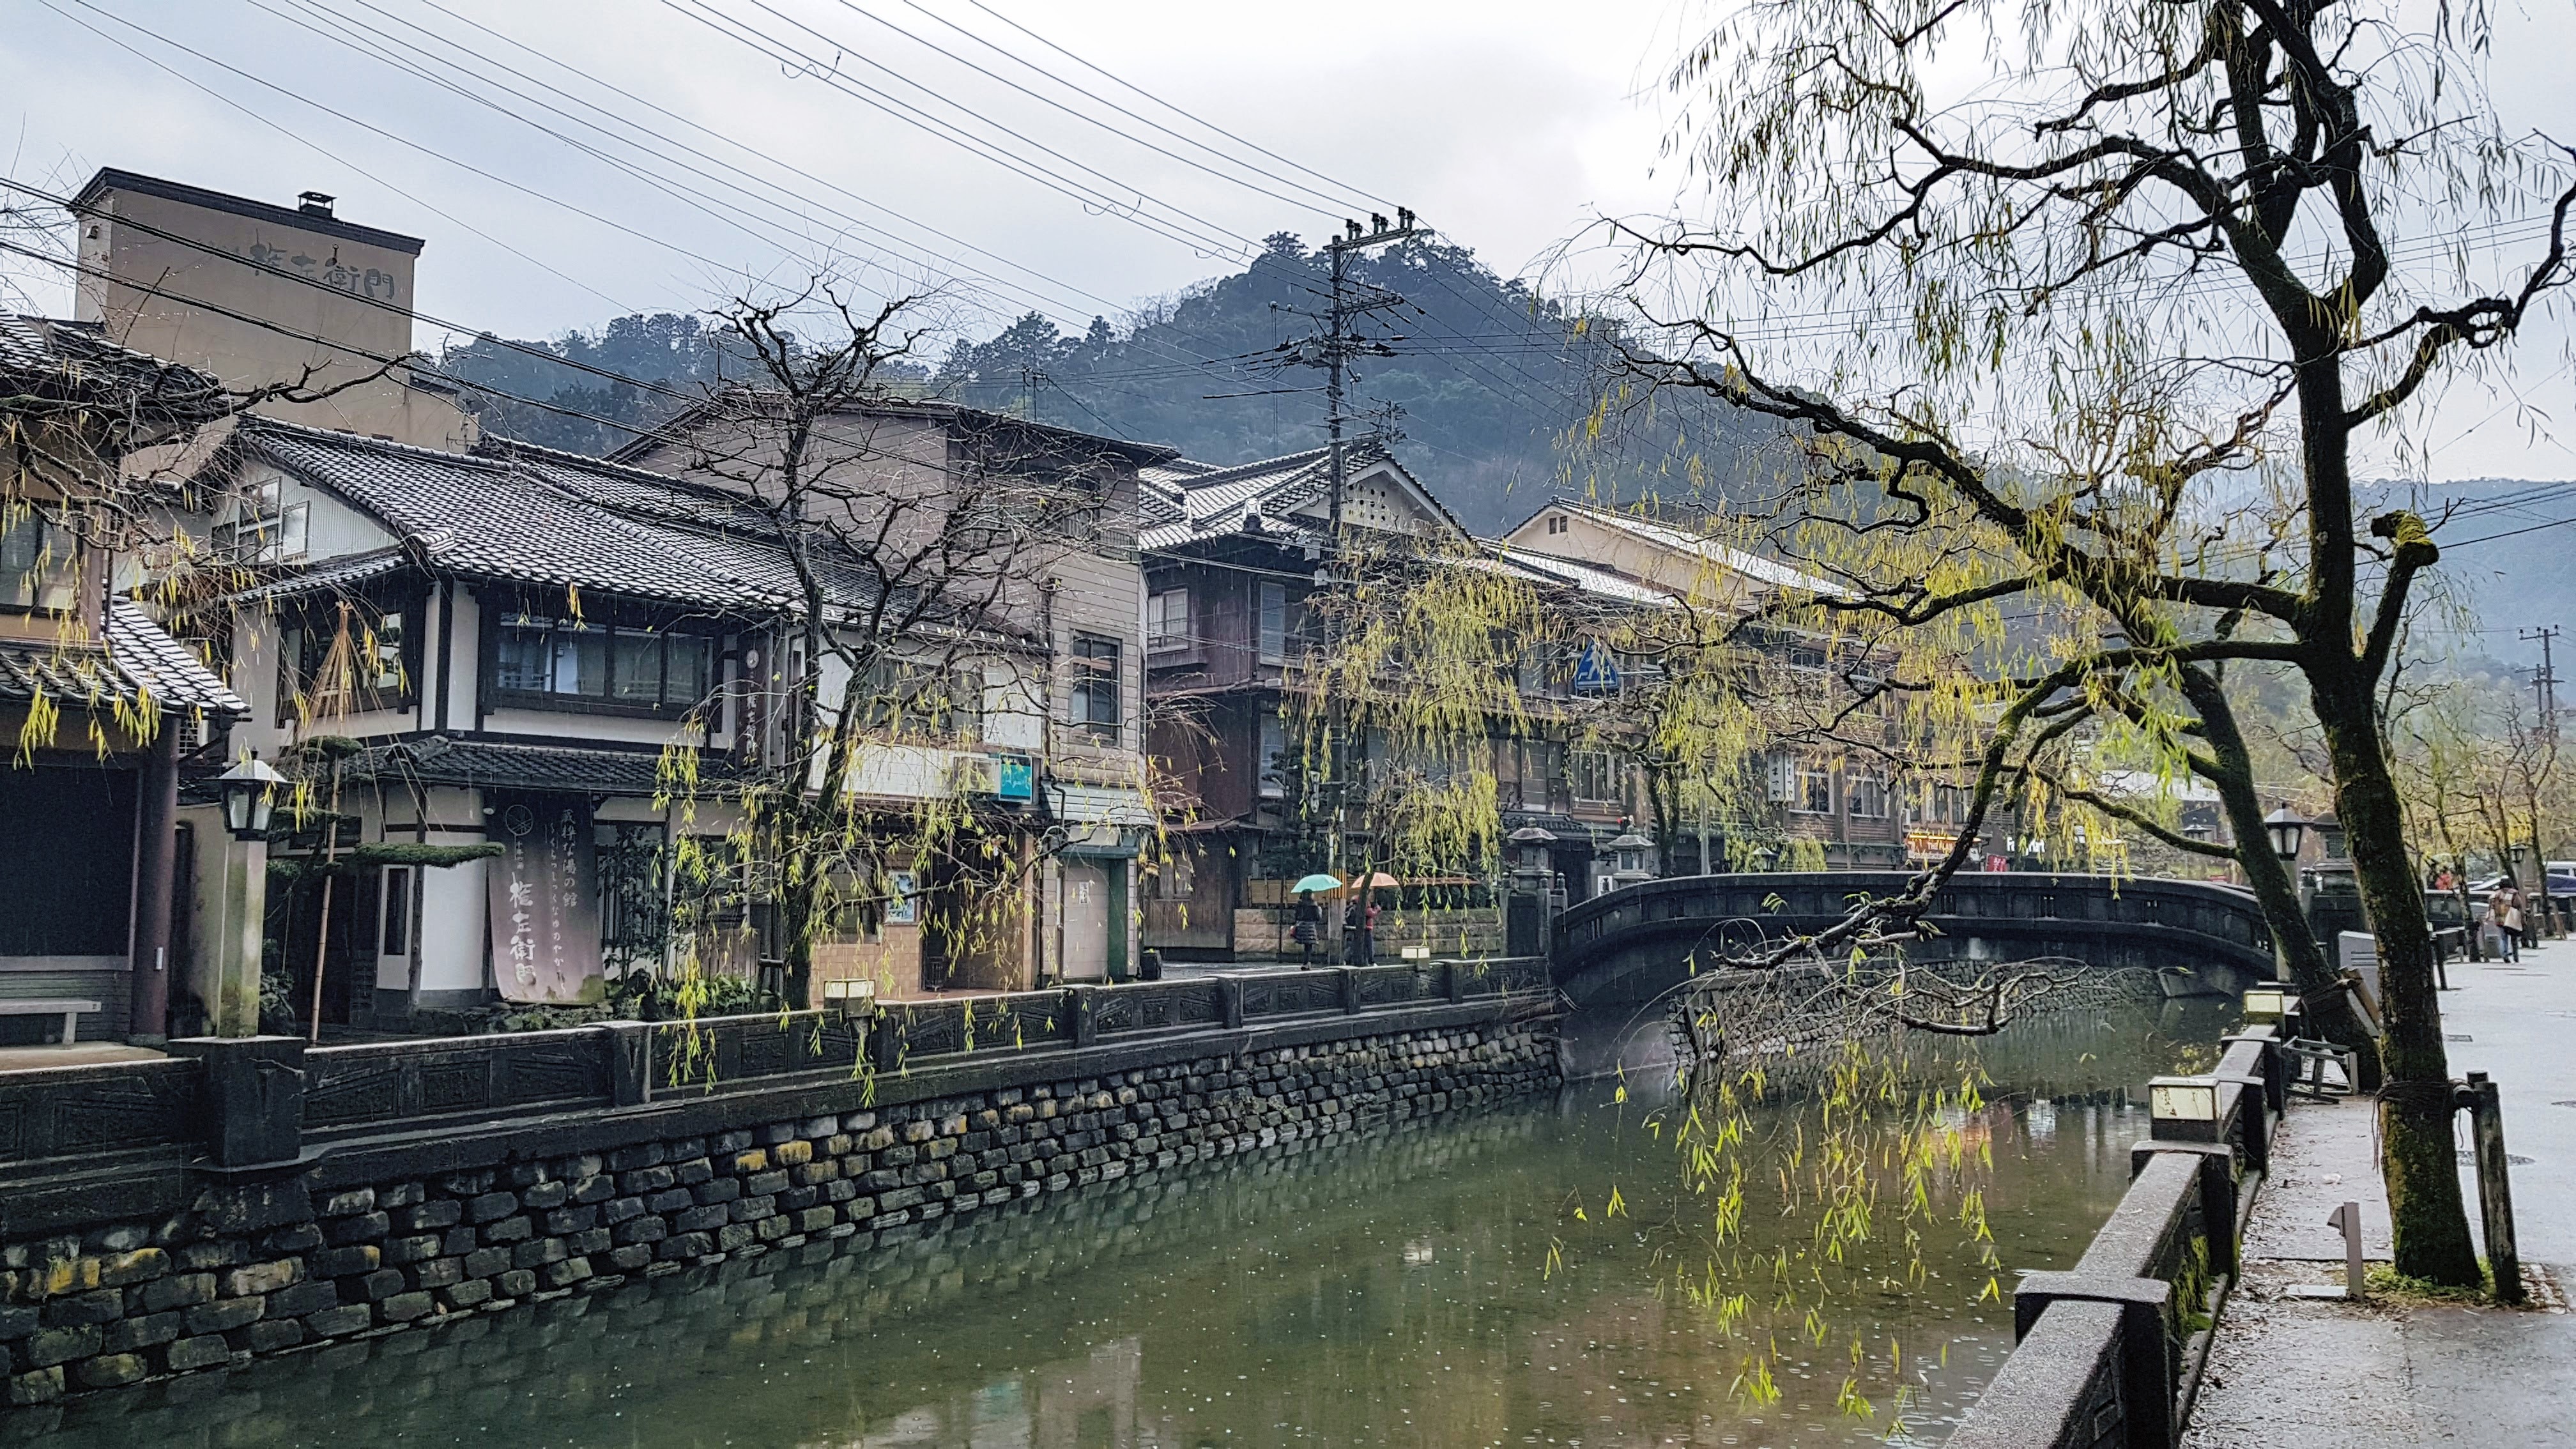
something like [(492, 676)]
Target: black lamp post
[(2288, 831), (250, 794)]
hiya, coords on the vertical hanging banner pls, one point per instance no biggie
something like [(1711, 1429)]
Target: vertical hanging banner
[(543, 894)]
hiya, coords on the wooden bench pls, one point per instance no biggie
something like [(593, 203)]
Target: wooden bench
[(63, 1006)]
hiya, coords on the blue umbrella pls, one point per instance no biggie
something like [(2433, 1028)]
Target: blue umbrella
[(1316, 882)]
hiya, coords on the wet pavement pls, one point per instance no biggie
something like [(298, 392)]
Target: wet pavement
[(2289, 1372)]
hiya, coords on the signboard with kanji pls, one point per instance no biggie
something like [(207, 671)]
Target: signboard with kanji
[(543, 895)]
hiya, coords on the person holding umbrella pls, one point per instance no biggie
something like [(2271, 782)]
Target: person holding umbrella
[(1308, 927), (1363, 942)]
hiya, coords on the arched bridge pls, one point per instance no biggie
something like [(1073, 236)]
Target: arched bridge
[(1631, 944)]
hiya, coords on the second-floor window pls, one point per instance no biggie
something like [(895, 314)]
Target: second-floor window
[(334, 662), (1272, 768), (594, 665), (1867, 791), (1095, 683), (267, 528), (1594, 776), (39, 564), (1167, 619), (924, 699), (1815, 788), (1273, 623)]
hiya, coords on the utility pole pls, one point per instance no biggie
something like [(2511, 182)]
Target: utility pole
[(2544, 685), (1338, 346), (1333, 351), (2544, 689)]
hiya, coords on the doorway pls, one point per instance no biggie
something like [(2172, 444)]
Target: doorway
[(1086, 921)]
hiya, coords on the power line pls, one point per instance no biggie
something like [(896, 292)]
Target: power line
[(545, 196)]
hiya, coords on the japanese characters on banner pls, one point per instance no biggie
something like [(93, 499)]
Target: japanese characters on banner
[(543, 894)]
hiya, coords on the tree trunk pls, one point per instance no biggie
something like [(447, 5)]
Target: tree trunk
[(2422, 1174), (2329, 1005)]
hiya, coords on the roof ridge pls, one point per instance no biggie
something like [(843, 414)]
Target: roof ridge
[(257, 423), (1230, 472)]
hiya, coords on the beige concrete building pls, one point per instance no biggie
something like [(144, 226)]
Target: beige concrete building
[(264, 296)]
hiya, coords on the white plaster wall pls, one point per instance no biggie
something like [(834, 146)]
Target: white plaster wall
[(450, 940), (464, 660), (568, 727)]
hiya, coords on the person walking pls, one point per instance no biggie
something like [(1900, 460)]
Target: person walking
[(1308, 929), (2505, 909), (1368, 931)]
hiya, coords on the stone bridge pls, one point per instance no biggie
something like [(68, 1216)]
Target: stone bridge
[(1632, 944)]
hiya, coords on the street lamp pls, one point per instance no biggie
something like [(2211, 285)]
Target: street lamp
[(2183, 1108), (2288, 831), (850, 996), (250, 793)]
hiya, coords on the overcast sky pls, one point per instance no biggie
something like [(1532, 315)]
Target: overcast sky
[(1506, 125)]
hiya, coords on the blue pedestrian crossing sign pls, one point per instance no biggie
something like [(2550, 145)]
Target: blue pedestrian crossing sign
[(1596, 672)]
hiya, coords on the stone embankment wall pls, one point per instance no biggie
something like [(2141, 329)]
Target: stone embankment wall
[(559, 1369), (386, 1233)]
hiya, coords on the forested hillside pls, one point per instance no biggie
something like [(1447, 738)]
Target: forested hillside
[(1484, 383)]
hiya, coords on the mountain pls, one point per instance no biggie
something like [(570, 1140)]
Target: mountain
[(1486, 386)]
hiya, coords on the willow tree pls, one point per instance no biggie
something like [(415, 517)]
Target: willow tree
[(2120, 302), (911, 554)]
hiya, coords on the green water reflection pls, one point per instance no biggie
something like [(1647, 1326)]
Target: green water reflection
[(1430, 1288)]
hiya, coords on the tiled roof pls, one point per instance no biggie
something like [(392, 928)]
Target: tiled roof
[(1751, 565), (75, 361), (330, 575), (1213, 500), (140, 663), (497, 765), (958, 417), (536, 516), (488, 517), (1566, 573)]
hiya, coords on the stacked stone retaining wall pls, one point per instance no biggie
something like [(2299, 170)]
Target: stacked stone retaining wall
[(561, 1367), (387, 1234)]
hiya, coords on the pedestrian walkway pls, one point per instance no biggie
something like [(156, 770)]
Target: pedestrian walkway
[(2290, 1372), (76, 1054)]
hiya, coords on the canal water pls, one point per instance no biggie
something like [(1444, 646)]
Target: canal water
[(1465, 1282)]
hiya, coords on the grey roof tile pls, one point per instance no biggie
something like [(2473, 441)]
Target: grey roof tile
[(500, 765), (140, 663), (76, 361)]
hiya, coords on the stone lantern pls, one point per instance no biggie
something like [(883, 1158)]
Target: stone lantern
[(1632, 858), (1531, 864), (1526, 914)]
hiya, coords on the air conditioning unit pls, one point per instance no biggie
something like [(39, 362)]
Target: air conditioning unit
[(975, 775), (1009, 779)]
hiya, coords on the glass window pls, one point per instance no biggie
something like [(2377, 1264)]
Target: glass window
[(1273, 764), (966, 703), (1274, 623), (911, 698), (1095, 681), (1815, 788), (397, 934), (1594, 775), (1867, 790), (688, 669), (581, 660), (39, 565), (385, 677), (335, 663), (524, 659), (1167, 619), (638, 667)]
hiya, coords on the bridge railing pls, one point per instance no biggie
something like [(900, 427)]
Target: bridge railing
[(1631, 939), (264, 1100), (2110, 1352)]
